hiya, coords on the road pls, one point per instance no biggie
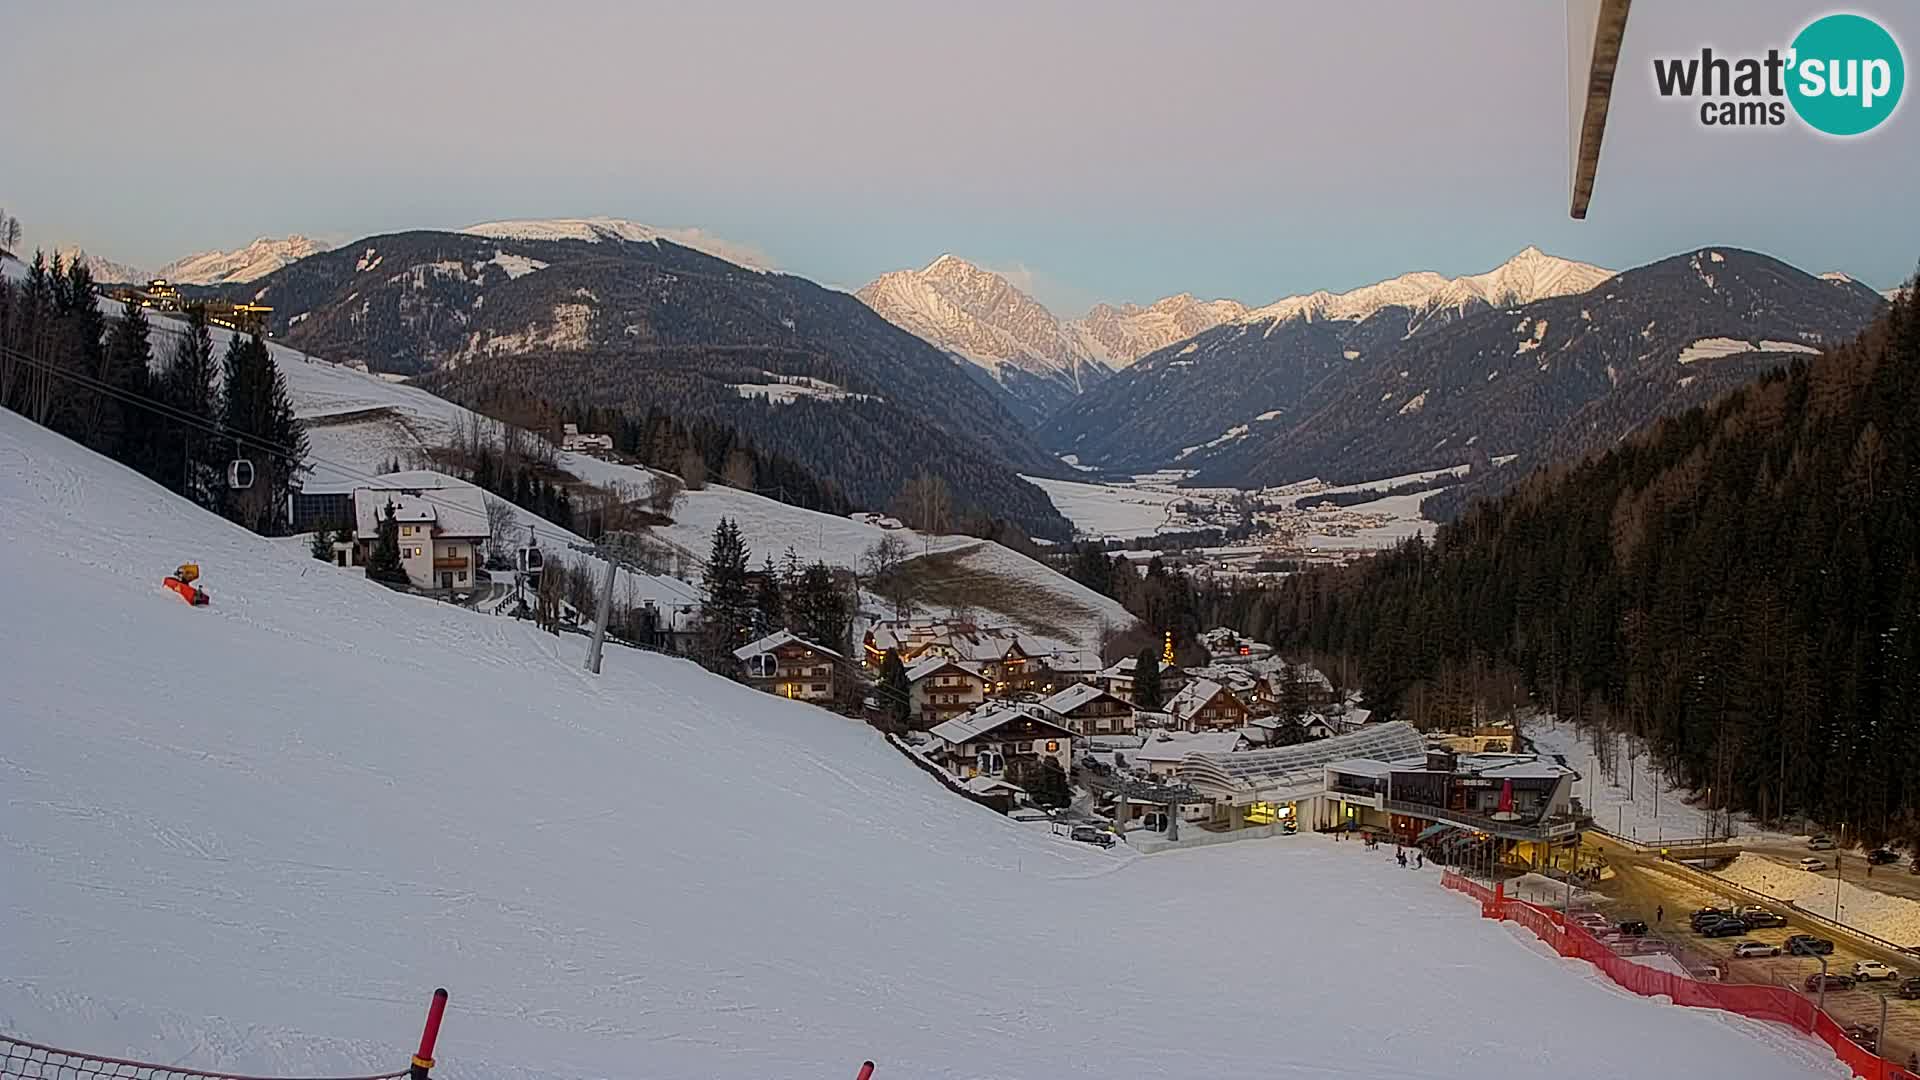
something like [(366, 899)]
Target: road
[(1642, 884)]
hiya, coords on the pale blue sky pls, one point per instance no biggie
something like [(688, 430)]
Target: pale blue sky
[(1111, 150)]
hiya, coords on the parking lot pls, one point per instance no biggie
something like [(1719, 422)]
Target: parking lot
[(1638, 889)]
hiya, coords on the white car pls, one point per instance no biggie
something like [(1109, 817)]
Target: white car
[(1864, 970), (1755, 948), (1812, 864), (1820, 843)]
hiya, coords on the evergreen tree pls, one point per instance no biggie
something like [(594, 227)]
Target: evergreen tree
[(1147, 693), (769, 607), (186, 458), (822, 611), (1293, 694), (130, 369), (384, 563), (895, 692), (728, 609), (322, 545)]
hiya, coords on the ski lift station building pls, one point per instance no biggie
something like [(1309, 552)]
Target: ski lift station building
[(1385, 779)]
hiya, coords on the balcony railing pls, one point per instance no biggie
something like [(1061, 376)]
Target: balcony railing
[(1537, 827), (450, 564)]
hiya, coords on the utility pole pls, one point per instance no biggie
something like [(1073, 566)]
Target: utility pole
[(600, 618), (618, 550)]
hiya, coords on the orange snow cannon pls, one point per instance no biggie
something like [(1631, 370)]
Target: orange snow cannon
[(181, 581)]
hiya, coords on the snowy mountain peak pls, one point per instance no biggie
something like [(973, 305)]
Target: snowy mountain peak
[(596, 230), (258, 259), (1530, 275), (104, 270), (1120, 335), (979, 317), (1835, 275)]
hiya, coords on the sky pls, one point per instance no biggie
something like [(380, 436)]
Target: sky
[(1112, 151)]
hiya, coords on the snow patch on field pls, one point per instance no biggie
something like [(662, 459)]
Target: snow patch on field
[(1627, 805), (516, 266), (1414, 404), (1718, 347), (1893, 918), (787, 389)]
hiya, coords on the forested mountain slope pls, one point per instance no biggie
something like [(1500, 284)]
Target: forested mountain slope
[(1740, 584)]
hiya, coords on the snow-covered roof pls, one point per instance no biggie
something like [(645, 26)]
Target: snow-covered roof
[(1122, 668), (989, 785), (775, 640), (1368, 766), (1064, 701), (1178, 746), (451, 507), (934, 664), (967, 728), (1511, 766), (1193, 697), (1301, 768), (1075, 661)]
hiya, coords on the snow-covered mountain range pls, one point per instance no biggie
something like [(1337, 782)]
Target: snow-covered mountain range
[(104, 270), (256, 260), (1120, 335), (1531, 275), (595, 230)]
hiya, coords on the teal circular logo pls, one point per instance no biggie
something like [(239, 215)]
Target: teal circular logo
[(1846, 74)]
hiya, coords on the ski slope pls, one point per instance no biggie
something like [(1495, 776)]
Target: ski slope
[(253, 836)]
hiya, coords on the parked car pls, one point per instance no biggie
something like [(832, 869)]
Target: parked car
[(1866, 1035), (1881, 856), (1633, 927), (1833, 980), (1813, 864), (1089, 834), (1727, 927), (1808, 945), (1909, 989), (1706, 913), (1593, 921), (1754, 948), (1709, 973), (1915, 868), (1874, 970), (1758, 916), (1820, 843)]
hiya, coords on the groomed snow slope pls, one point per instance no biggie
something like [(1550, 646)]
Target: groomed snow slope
[(253, 836)]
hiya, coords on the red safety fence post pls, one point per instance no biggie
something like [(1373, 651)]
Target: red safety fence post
[(866, 1071), (423, 1060)]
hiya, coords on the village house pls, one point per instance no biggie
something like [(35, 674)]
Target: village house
[(441, 532), (1205, 705), (1089, 710), (1117, 677), (1162, 754), (985, 741), (788, 666), (941, 689), (573, 441)]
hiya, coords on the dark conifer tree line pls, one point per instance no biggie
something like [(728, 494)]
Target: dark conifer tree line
[(1739, 585), (179, 414)]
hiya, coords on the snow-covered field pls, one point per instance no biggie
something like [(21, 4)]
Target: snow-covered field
[(253, 836), (1113, 510), (1892, 918)]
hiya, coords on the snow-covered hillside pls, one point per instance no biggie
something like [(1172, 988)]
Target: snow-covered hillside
[(360, 421), (595, 230), (256, 260), (252, 836)]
